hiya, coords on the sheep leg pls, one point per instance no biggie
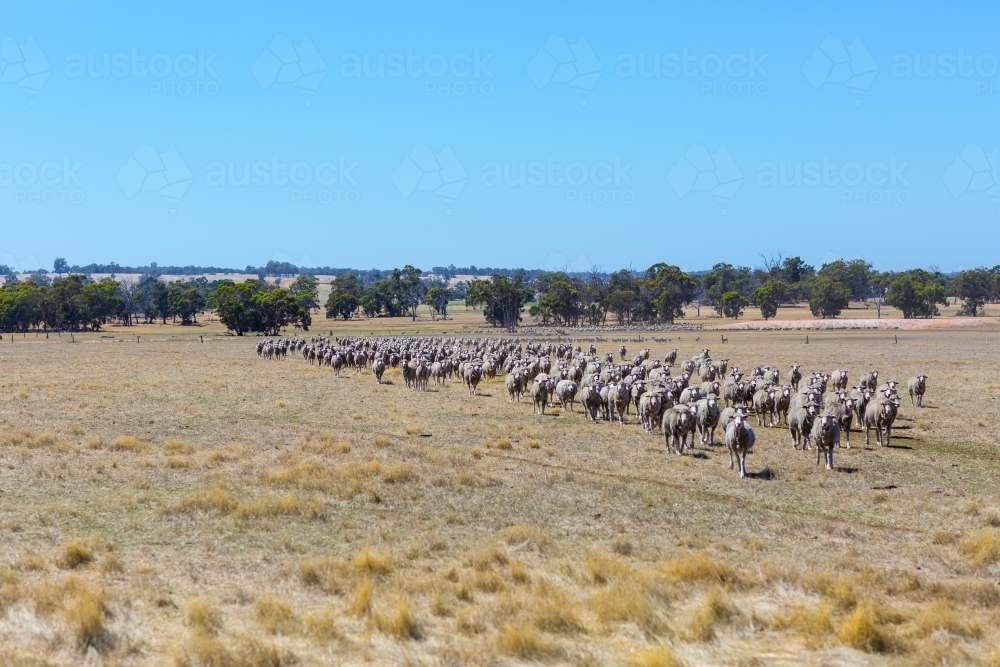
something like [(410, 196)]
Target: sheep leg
[(743, 463)]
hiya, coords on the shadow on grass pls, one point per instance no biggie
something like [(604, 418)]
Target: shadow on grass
[(766, 474)]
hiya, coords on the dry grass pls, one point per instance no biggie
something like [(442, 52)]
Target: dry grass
[(981, 548), (238, 533), (74, 554)]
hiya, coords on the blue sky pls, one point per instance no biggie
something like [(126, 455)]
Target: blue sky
[(565, 135)]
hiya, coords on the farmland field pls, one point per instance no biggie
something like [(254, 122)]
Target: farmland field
[(178, 502)]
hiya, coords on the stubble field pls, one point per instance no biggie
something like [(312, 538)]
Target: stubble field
[(184, 503)]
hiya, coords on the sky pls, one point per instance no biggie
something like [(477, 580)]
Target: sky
[(559, 135)]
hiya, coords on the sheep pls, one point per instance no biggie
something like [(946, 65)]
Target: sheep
[(833, 400), (409, 375), (825, 434), (739, 441), (763, 403), (732, 391), (723, 367), (591, 400), (726, 416), (839, 380), (844, 414), (711, 388), (795, 376), (378, 368), (689, 395), (771, 375), (566, 393), (800, 421), (619, 396), (917, 386), (880, 414), (707, 418), (515, 384), (860, 396), (782, 401), (678, 422), (471, 376), (650, 404), (707, 371), (622, 351), (869, 380), (540, 395)]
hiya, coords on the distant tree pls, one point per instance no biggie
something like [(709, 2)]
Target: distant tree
[(769, 296), (60, 266), (828, 297), (916, 293), (732, 304), (184, 301), (975, 288), (345, 296), (437, 298), (305, 289), (159, 302), (668, 289), (501, 297)]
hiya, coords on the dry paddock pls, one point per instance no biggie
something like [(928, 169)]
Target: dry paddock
[(183, 503)]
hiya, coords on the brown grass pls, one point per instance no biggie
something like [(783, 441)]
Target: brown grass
[(981, 547), (203, 616), (321, 534), (75, 553)]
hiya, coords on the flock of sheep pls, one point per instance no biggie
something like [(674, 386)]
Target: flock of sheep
[(816, 410)]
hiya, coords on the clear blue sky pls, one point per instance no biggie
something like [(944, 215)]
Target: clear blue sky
[(502, 134)]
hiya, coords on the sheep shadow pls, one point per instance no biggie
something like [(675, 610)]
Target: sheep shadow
[(845, 469), (765, 474), (898, 447), (699, 455)]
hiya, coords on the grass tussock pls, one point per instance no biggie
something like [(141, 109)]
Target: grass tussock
[(712, 608), (699, 567), (175, 446), (526, 536), (863, 629), (86, 613), (399, 622), (361, 603), (324, 573), (372, 562), (553, 611), (74, 554), (625, 602), (604, 567), (269, 506), (203, 616), (274, 615), (940, 615), (660, 656), (814, 622), (398, 473), (129, 443), (323, 625), (208, 500), (981, 548), (521, 640)]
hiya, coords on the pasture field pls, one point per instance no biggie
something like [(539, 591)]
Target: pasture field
[(173, 502)]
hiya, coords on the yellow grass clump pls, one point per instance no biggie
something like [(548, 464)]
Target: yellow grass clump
[(129, 443), (981, 548), (372, 562), (75, 553), (660, 656), (275, 615), (202, 616), (399, 622), (862, 629), (361, 603), (211, 499), (176, 446), (698, 567), (522, 641)]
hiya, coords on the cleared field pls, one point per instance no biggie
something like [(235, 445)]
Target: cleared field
[(179, 502)]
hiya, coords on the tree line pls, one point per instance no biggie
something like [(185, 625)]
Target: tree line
[(661, 293)]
